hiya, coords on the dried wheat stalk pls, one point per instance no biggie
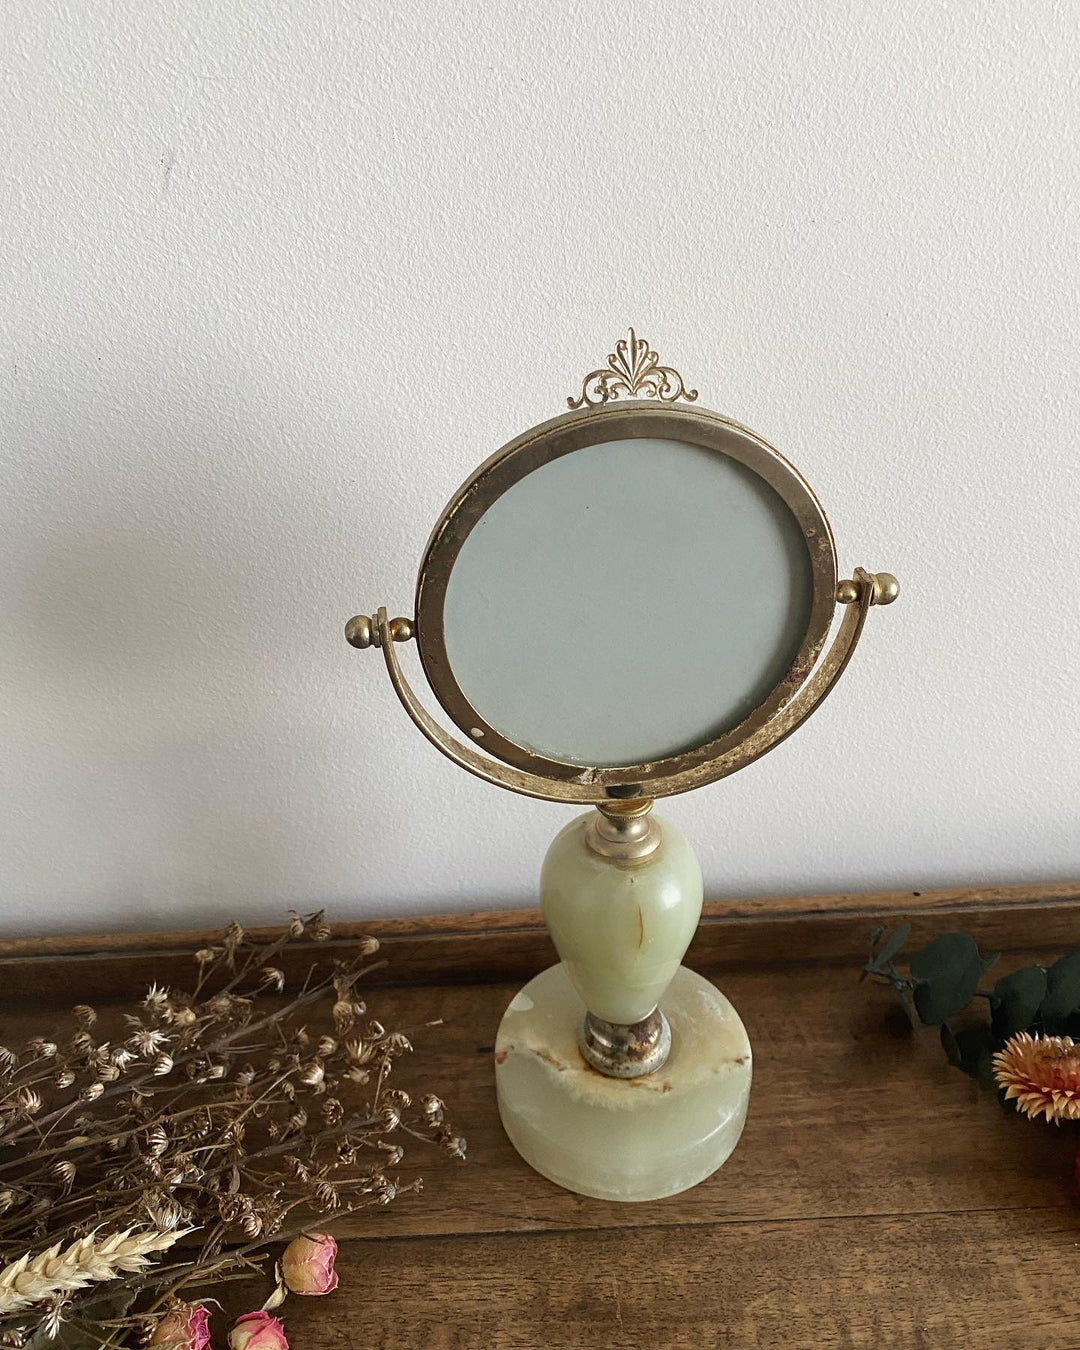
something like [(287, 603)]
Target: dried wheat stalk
[(33, 1279)]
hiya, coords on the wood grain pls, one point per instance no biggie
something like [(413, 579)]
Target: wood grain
[(877, 1197)]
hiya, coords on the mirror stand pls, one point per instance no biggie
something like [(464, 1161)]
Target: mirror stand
[(620, 1074)]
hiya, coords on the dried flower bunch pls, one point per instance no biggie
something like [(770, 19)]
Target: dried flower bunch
[(142, 1159)]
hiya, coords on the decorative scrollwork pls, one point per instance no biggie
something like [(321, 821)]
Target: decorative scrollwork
[(633, 371)]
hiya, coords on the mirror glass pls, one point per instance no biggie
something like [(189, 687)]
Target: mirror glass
[(627, 602)]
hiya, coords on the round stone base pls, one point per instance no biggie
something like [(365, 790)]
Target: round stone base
[(622, 1138)]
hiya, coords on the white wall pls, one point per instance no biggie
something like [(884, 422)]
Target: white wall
[(277, 275)]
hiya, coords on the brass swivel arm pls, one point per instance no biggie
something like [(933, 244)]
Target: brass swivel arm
[(858, 595)]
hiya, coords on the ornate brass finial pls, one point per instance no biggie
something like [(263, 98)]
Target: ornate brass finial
[(633, 370)]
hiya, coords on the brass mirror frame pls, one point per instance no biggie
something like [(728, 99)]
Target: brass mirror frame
[(550, 441)]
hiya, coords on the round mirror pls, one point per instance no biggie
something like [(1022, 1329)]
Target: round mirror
[(624, 590)]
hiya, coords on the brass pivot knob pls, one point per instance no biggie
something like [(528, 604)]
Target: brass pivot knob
[(362, 631), (886, 589)]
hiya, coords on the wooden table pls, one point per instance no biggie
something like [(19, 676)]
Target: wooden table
[(877, 1198)]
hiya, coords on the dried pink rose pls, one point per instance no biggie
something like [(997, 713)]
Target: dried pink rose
[(257, 1331), (308, 1264), (185, 1327)]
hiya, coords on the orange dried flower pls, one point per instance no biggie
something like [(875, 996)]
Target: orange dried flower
[(1041, 1074)]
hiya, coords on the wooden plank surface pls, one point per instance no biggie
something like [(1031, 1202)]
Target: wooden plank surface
[(877, 1197)]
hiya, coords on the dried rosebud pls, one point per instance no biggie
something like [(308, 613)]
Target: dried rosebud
[(454, 1147), (185, 1327), (308, 1264), (257, 1331)]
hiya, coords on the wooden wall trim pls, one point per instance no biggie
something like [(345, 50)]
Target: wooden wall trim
[(512, 944)]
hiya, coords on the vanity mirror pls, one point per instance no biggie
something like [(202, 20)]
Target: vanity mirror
[(626, 602)]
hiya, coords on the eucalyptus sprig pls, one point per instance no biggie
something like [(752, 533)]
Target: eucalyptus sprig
[(944, 978)]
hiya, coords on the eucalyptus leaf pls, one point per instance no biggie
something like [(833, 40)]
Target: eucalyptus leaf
[(892, 945), (947, 972), (1062, 989), (951, 1048), (1016, 1001), (975, 1046)]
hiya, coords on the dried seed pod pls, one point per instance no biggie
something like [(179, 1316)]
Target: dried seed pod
[(8, 1058), (82, 1045), (39, 1048), (185, 1017), (64, 1174), (296, 925), (7, 1199), (326, 1194), (432, 1109), (326, 1047), (207, 954), (147, 1041), (27, 1100), (156, 1000), (368, 946), (333, 1112), (231, 1207), (108, 1073), (270, 977), (157, 1141), (84, 1015), (162, 1065), (398, 1097), (313, 1073), (64, 1078), (398, 1044), (390, 1117), (453, 1147)]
